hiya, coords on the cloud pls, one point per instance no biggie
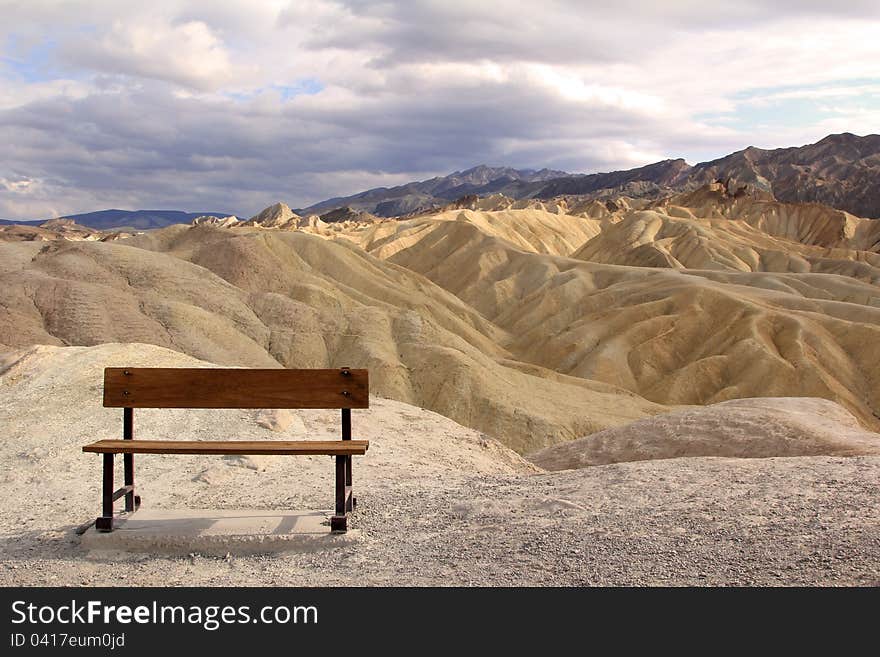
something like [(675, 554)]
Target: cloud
[(189, 54), (232, 106)]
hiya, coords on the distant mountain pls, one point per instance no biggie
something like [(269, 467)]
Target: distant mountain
[(435, 192), (142, 219), (659, 175), (842, 171), (9, 222), (139, 219)]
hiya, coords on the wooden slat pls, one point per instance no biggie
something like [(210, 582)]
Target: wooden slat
[(163, 387), (269, 447)]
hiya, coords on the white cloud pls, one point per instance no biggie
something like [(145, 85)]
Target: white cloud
[(189, 54), (19, 185), (16, 93), (575, 88), (819, 93)]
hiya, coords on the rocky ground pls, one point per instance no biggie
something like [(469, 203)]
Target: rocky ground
[(439, 504), (704, 521)]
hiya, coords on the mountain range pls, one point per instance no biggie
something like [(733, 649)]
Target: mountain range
[(841, 171), (138, 219), (436, 192)]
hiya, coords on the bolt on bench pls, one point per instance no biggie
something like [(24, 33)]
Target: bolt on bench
[(131, 387)]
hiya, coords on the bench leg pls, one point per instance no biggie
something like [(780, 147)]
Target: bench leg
[(105, 522), (339, 522), (350, 501), (132, 501)]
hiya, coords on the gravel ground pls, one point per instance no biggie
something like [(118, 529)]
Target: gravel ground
[(439, 504), (705, 521)]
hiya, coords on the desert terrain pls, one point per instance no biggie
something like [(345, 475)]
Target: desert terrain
[(673, 390), (536, 323)]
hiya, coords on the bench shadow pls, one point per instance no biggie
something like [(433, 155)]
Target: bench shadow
[(65, 543), (201, 522)]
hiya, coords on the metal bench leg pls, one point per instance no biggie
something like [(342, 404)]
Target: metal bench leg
[(132, 501), (345, 501), (350, 501), (105, 522), (339, 522)]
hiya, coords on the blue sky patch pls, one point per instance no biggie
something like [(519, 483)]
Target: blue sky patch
[(28, 64), (304, 87)]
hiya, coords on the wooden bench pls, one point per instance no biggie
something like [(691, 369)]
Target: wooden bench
[(131, 387)]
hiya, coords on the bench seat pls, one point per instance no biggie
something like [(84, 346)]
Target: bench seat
[(267, 447)]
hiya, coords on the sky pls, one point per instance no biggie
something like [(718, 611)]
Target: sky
[(232, 106)]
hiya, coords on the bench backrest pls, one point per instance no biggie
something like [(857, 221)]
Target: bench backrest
[(167, 387)]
